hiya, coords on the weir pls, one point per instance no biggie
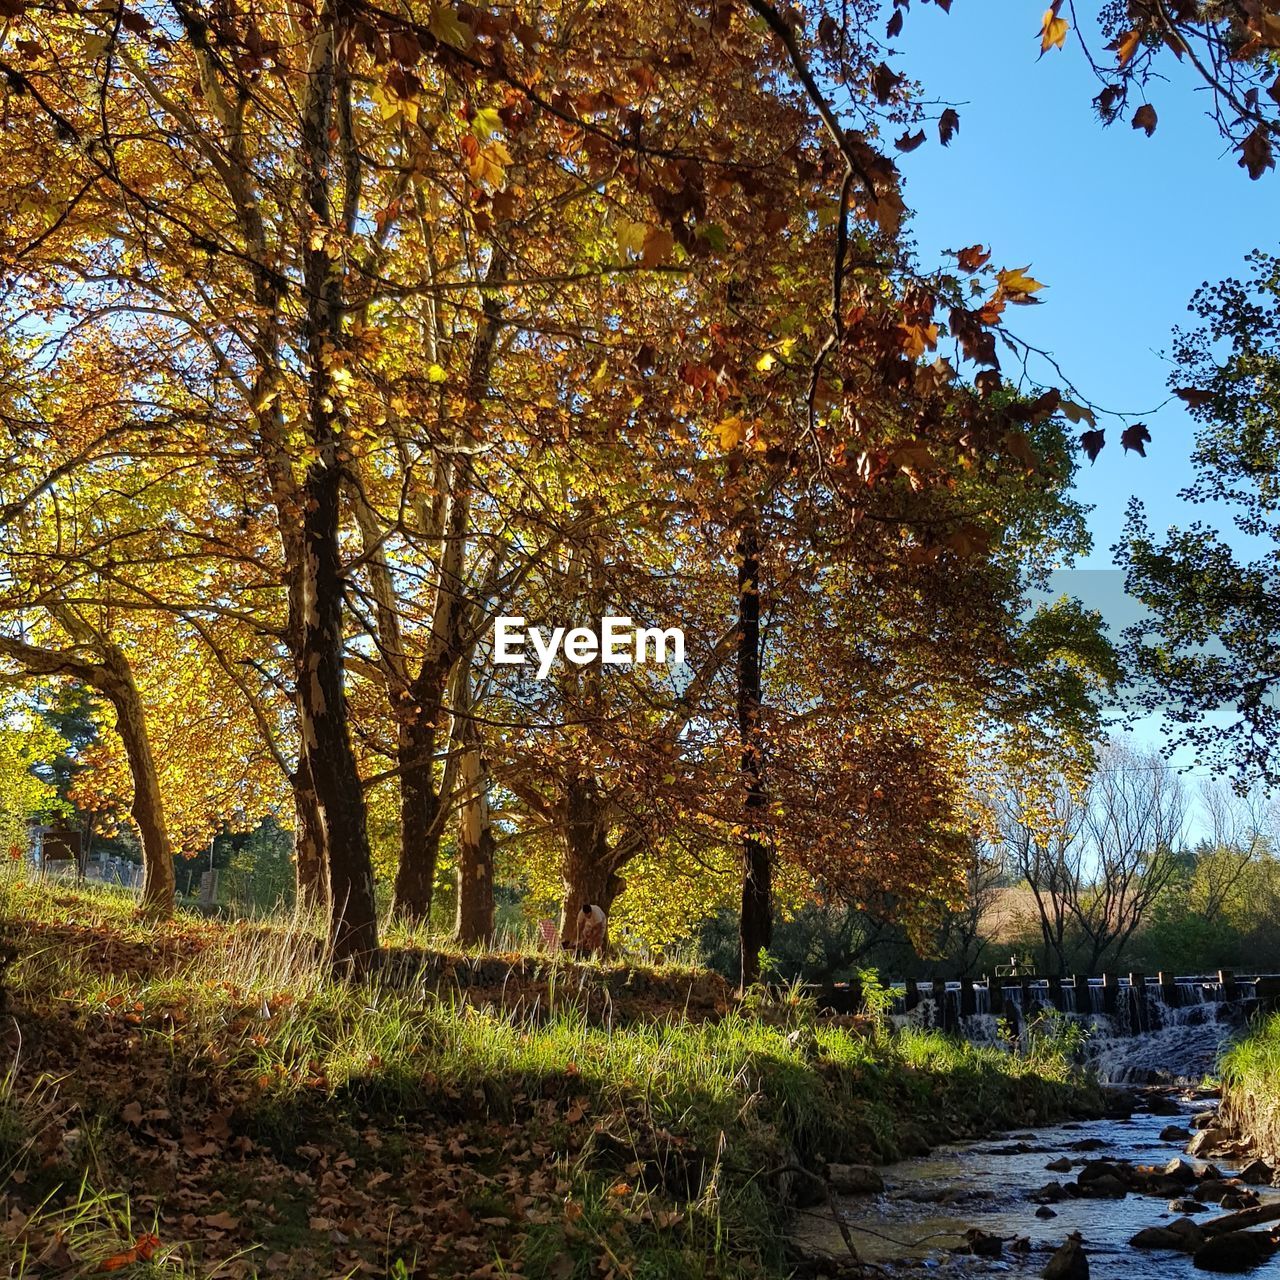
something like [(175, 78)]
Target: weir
[(1141, 1030)]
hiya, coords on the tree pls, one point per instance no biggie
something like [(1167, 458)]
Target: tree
[(1207, 651)]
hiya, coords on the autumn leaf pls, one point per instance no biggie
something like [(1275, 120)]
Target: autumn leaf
[(1136, 437), (1091, 442), (1077, 413), (894, 27), (1194, 397), (731, 432), (1256, 154), (917, 339), (142, 1251), (974, 258), (131, 1113), (1145, 118), (948, 126), (1053, 29), (657, 247), (883, 82), (445, 25), (1017, 286), (909, 141), (1126, 45)]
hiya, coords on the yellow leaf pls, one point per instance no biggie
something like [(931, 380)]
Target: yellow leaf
[(1016, 285), (766, 362), (485, 123), (1053, 30), (631, 237), (1127, 45), (436, 374), (446, 26), (731, 432)]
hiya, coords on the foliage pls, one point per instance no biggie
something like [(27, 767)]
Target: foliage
[(1250, 1073), (1207, 646)]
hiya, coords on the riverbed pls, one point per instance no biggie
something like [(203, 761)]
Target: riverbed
[(929, 1202)]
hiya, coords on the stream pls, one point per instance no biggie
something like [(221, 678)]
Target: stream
[(929, 1202)]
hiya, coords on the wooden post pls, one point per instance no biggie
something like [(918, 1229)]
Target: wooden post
[(968, 998), (911, 996), (1168, 988), (1055, 993), (1110, 993), (941, 1015), (1138, 988), (1227, 981)]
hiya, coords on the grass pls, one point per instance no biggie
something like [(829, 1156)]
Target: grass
[(265, 1119), (1250, 1074)]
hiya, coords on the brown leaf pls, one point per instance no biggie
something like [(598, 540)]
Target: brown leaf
[(884, 81), (948, 126), (1145, 118), (894, 29), (131, 1113), (223, 1221), (1136, 437), (1256, 154), (909, 141), (1091, 442), (1193, 396), (974, 258)]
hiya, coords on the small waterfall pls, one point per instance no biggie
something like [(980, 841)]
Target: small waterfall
[(1138, 1032)]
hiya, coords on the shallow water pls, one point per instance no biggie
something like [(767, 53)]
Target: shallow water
[(931, 1201)]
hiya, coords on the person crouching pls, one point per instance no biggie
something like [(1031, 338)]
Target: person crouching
[(591, 930)]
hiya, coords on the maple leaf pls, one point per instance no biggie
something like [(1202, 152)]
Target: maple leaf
[(1145, 118), (1256, 154), (1017, 286), (1077, 413), (894, 27), (657, 246), (884, 81), (446, 26), (1092, 441), (1126, 45), (974, 258), (1195, 397), (909, 141), (1053, 29), (1136, 437), (948, 126)]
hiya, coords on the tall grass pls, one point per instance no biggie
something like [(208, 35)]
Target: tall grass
[(1250, 1074)]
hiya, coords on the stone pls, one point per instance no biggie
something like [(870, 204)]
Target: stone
[(1160, 1104), (1206, 1140), (1045, 1212), (1216, 1188), (1059, 1166), (1175, 1133), (1186, 1206), (1070, 1261), (1088, 1144), (1236, 1201), (1178, 1170), (1234, 1251), (1257, 1173), (1104, 1187), (1156, 1238), (1190, 1233), (854, 1179), (1205, 1119), (1051, 1192)]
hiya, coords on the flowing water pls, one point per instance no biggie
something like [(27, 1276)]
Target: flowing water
[(931, 1201)]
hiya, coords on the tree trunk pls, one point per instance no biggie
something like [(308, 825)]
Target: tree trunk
[(756, 925), (419, 832), (309, 862), (159, 883), (475, 834), (589, 872), (321, 692)]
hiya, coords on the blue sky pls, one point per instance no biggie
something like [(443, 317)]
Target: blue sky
[(1121, 228)]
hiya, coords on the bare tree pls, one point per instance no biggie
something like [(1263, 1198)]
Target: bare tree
[(1097, 861)]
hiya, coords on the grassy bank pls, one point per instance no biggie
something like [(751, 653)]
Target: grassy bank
[(1251, 1085), (207, 1097)]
